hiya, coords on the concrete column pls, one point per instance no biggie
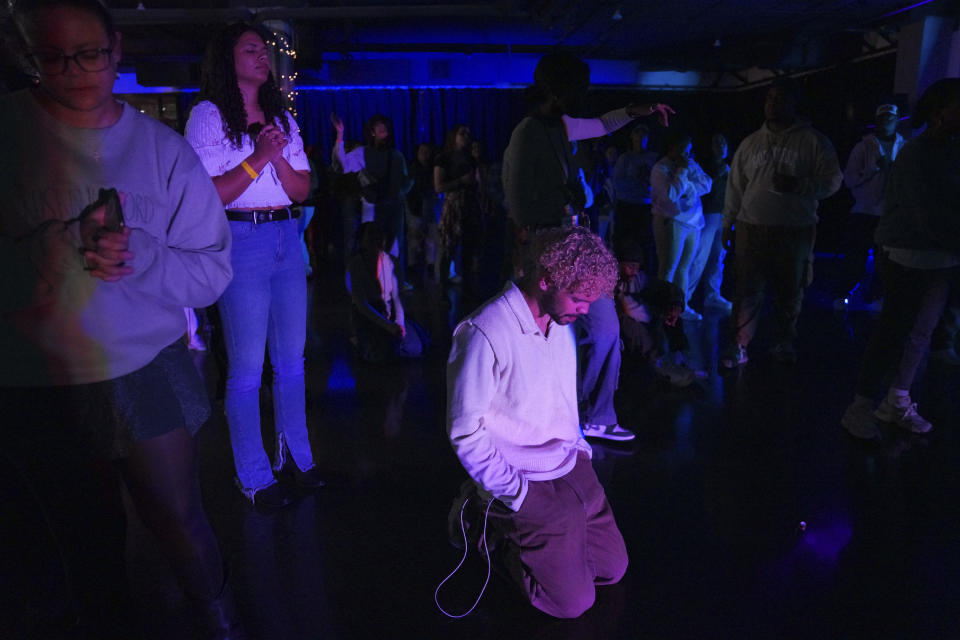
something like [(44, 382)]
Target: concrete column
[(927, 50)]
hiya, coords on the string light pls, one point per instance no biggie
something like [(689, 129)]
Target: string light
[(284, 47)]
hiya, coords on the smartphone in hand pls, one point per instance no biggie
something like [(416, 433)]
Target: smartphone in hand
[(90, 228), (113, 211), (109, 199)]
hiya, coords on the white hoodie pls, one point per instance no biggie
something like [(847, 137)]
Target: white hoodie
[(801, 151), (675, 192)]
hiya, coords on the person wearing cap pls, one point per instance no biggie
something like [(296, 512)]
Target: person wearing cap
[(866, 176), (778, 176), (543, 190)]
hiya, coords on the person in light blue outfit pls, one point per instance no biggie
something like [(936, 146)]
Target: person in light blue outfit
[(707, 266), (677, 182), (251, 146)]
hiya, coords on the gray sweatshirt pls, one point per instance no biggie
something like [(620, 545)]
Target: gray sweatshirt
[(59, 325), (799, 151)]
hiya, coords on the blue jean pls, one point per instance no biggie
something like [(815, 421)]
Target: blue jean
[(303, 222), (598, 342), (708, 263), (265, 305), (676, 247)]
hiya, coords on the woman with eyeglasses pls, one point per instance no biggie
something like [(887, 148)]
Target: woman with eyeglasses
[(251, 146), (110, 226)]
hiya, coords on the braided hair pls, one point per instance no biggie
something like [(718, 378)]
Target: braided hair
[(218, 84)]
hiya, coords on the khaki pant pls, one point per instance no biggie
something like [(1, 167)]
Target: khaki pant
[(563, 542), (781, 257)]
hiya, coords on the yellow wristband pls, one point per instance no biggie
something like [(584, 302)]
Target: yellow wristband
[(250, 170)]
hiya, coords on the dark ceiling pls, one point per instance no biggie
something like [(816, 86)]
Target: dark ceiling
[(702, 35)]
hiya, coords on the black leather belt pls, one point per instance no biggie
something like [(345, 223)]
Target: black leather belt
[(260, 216)]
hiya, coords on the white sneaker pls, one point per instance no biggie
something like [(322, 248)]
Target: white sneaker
[(735, 358), (607, 432), (717, 301), (905, 417), (690, 315), (196, 343), (860, 422)]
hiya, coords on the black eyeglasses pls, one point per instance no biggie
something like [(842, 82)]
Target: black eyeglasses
[(53, 63)]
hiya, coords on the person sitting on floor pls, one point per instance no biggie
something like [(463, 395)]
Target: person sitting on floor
[(650, 320), (382, 332)]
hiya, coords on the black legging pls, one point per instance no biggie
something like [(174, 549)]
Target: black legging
[(78, 496)]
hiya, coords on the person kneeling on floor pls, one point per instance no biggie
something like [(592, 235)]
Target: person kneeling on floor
[(513, 422)]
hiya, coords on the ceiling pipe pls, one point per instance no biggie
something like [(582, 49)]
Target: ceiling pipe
[(128, 17)]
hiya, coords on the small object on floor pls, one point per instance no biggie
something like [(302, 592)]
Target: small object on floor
[(784, 353), (273, 496), (904, 416), (690, 315), (735, 359), (717, 301), (855, 303), (406, 286), (859, 421), (607, 432), (946, 356)]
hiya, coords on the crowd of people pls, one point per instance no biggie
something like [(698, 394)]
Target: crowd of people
[(599, 252)]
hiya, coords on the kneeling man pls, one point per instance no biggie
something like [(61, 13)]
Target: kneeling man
[(512, 420)]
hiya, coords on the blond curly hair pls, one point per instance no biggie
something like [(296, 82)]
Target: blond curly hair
[(573, 259)]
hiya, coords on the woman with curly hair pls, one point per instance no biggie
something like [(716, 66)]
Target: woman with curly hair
[(251, 146), (456, 176)]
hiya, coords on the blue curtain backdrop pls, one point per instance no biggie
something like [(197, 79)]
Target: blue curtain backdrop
[(419, 115)]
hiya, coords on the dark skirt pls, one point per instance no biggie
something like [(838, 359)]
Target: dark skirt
[(103, 419)]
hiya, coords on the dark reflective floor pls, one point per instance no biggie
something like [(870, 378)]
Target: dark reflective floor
[(747, 511)]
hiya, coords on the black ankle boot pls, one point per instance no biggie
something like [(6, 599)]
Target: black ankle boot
[(309, 479)]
